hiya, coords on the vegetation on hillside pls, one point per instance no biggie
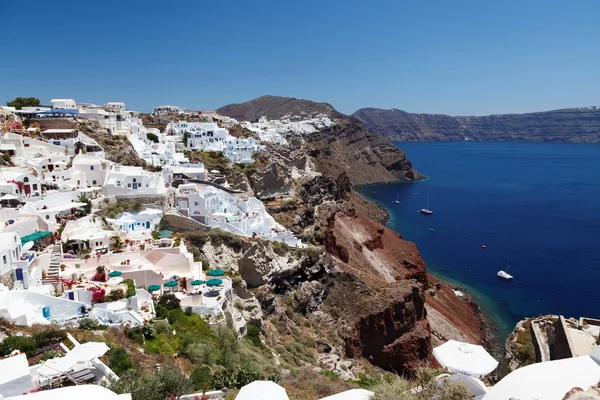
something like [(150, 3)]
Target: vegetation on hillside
[(112, 210)]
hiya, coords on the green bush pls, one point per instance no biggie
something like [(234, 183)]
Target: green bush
[(48, 337), (90, 324), (169, 301), (131, 292), (201, 378), (152, 137), (25, 344), (227, 345), (201, 353), (167, 383), (119, 361), (253, 335)]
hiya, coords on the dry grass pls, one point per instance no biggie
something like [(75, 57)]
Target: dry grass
[(306, 384)]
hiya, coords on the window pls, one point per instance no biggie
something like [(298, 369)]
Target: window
[(94, 183), (15, 239), (129, 185), (47, 217), (4, 259), (35, 186), (134, 180), (118, 183), (91, 167), (26, 179), (195, 203)]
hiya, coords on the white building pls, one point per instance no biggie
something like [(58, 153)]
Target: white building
[(10, 251), (132, 181), (185, 171), (90, 171), (53, 208), (87, 233), (142, 222), (162, 110), (20, 182), (115, 105), (239, 215), (63, 104)]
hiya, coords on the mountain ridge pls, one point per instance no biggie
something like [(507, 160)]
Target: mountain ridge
[(577, 125)]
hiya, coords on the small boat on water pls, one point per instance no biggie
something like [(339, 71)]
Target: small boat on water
[(505, 275), (483, 246), (432, 230), (426, 210)]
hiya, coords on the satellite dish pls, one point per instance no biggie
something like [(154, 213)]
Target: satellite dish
[(28, 245)]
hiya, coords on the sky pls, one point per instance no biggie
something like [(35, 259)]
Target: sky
[(453, 57)]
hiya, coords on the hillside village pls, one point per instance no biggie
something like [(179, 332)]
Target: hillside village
[(129, 241)]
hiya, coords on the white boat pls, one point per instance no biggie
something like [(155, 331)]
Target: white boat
[(397, 201), (426, 210), (505, 275)]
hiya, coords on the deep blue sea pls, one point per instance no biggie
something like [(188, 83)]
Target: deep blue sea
[(537, 204)]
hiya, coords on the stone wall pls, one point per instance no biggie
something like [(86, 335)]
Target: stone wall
[(182, 224), (57, 124), (157, 201), (8, 279), (558, 340)]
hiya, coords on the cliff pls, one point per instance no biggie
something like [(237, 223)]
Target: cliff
[(276, 107), (116, 147), (579, 125)]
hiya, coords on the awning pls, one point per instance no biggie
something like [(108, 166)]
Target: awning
[(35, 236), (216, 272), (214, 282)]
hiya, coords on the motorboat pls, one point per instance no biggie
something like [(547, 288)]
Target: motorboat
[(483, 246), (432, 230)]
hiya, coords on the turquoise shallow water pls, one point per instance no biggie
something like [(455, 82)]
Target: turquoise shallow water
[(537, 204)]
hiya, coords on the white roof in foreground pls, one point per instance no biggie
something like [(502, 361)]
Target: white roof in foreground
[(13, 368), (87, 392), (353, 394), (549, 380), (465, 358), (263, 390)]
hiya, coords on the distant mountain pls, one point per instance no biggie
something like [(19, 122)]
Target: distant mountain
[(579, 125), (276, 107)]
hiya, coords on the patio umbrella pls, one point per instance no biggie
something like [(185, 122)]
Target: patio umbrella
[(171, 284), (263, 390), (197, 282), (56, 366), (216, 272), (153, 288), (88, 351), (115, 273), (465, 358), (214, 282)]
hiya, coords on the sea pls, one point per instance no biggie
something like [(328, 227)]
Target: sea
[(536, 208)]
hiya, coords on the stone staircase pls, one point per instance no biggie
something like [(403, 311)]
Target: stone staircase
[(52, 275)]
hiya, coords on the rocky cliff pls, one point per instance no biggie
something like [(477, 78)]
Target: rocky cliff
[(276, 107), (580, 125), (116, 147)]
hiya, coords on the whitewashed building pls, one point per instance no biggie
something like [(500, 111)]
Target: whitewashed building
[(142, 222), (20, 182), (63, 104), (90, 171), (162, 110), (133, 181)]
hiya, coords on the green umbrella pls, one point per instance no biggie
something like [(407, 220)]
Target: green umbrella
[(197, 282), (115, 273), (153, 288), (171, 284), (216, 272), (214, 282)]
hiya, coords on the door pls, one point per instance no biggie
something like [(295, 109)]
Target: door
[(50, 167), (19, 274), (27, 189), (135, 186), (147, 224)]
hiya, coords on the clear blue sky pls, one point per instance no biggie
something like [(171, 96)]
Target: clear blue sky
[(454, 57)]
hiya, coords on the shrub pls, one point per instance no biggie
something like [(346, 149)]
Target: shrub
[(227, 346), (400, 388), (201, 378), (167, 383), (152, 137), (169, 301), (90, 324), (130, 288), (97, 294), (114, 295), (201, 353), (50, 355), (253, 335), (119, 361), (48, 337), (24, 344)]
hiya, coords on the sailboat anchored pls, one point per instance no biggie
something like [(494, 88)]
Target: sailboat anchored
[(426, 210), (505, 275)]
